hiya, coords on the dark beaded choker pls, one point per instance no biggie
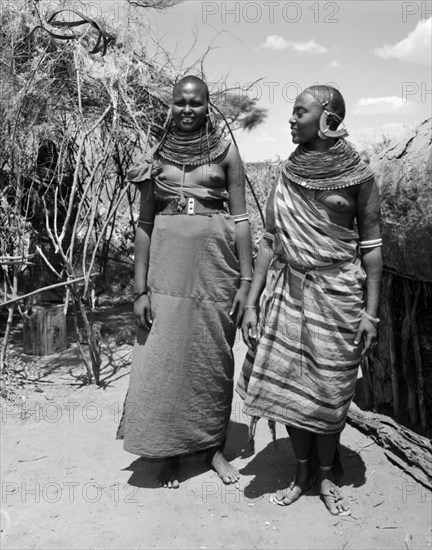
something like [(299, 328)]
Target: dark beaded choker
[(192, 148)]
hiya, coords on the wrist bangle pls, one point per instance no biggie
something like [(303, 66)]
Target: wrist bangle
[(241, 218), (249, 307), (373, 320), (246, 279), (139, 294)]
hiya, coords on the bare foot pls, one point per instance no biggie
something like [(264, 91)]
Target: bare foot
[(168, 476), (225, 471)]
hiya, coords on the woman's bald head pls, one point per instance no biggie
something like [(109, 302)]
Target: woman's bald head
[(327, 94), (190, 103), (192, 82)]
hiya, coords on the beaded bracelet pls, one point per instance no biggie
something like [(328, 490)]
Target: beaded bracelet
[(373, 320), (249, 307)]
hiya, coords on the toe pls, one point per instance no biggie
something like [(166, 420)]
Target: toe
[(175, 484), (344, 507), (233, 477)]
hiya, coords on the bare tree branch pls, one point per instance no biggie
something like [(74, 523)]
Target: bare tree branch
[(154, 4)]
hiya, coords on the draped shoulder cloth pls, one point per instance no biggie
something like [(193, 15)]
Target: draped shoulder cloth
[(143, 169)]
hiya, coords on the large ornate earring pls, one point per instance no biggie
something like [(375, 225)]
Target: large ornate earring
[(324, 132)]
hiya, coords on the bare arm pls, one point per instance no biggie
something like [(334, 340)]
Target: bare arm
[(264, 257), (368, 222), (142, 249), (234, 172)]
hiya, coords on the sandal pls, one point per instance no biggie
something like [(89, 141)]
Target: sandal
[(333, 497), (281, 497)]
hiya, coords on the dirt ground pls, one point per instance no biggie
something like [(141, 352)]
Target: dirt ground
[(68, 484)]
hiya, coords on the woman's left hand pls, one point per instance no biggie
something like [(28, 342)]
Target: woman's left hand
[(237, 308), (366, 332)]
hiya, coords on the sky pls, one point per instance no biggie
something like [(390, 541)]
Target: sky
[(377, 53)]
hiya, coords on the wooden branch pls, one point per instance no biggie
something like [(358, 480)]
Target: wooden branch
[(389, 327), (5, 259), (417, 359), (47, 262), (408, 450), (406, 334), (24, 296), (107, 221)]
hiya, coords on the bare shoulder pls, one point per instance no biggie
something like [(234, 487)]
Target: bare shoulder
[(368, 191), (232, 157)]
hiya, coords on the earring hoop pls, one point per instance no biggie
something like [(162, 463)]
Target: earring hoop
[(324, 132)]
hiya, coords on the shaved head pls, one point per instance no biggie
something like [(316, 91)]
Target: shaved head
[(194, 81), (334, 99)]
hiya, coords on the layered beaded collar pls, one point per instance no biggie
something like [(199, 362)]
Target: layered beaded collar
[(338, 167), (192, 148)]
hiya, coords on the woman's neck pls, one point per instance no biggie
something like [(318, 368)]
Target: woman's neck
[(320, 145)]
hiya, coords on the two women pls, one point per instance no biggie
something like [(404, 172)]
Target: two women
[(320, 264)]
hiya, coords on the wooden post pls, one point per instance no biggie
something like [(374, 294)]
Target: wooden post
[(44, 330)]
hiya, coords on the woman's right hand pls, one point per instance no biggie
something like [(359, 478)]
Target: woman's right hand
[(249, 328), (142, 311)]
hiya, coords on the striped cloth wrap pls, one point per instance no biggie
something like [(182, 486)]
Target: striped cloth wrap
[(304, 370)]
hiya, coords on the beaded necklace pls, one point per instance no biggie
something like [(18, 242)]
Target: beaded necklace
[(191, 149), (338, 167)]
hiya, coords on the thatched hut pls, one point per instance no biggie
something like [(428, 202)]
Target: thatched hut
[(400, 374)]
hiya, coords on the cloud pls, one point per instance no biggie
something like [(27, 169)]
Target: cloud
[(334, 65), (275, 42), (415, 48), (383, 105)]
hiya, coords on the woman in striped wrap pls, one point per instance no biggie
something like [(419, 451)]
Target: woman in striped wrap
[(320, 262)]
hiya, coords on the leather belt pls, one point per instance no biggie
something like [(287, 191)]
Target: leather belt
[(192, 207)]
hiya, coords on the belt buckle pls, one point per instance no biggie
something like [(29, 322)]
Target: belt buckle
[(191, 206)]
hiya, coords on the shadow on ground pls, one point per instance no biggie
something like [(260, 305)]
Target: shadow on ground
[(145, 470), (273, 468)]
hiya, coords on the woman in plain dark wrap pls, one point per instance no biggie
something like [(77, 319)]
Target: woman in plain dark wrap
[(193, 272)]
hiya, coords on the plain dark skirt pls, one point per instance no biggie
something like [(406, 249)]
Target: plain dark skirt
[(181, 383)]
